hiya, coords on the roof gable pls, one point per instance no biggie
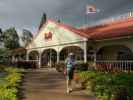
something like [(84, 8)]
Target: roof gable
[(60, 33)]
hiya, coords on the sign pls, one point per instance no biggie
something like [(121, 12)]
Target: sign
[(91, 9), (48, 36)]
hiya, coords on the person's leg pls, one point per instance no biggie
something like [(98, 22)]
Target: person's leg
[(69, 89), (67, 85), (69, 79)]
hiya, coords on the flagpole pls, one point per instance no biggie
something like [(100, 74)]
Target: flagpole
[(90, 9)]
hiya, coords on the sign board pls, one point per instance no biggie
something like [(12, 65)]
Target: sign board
[(48, 36)]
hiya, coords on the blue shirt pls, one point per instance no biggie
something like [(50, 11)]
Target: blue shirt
[(70, 62)]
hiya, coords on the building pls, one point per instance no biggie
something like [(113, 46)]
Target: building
[(111, 41)]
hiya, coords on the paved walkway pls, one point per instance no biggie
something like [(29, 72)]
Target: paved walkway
[(48, 84)]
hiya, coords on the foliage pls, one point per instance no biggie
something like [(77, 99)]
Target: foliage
[(27, 64), (1, 68), (81, 66), (9, 84), (1, 35), (27, 36), (60, 66), (8, 94), (5, 55), (43, 20), (109, 86), (11, 38)]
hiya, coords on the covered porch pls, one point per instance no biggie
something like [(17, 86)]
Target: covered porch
[(114, 58), (49, 56)]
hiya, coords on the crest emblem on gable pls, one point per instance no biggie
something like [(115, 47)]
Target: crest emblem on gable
[(48, 36)]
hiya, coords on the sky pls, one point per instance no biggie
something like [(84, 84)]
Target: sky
[(26, 14)]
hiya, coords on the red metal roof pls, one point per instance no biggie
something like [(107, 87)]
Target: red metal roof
[(70, 28), (115, 29), (110, 30), (18, 50)]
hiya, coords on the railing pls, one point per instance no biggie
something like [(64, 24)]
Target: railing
[(114, 65)]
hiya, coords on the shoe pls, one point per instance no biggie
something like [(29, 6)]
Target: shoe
[(68, 91)]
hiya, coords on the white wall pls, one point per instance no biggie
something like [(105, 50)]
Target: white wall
[(60, 36)]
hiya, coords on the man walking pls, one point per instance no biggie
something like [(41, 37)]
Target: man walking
[(70, 62)]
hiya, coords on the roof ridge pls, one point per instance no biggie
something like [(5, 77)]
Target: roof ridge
[(70, 28)]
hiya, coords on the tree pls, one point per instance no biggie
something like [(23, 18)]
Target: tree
[(27, 36), (43, 20), (11, 38), (1, 36)]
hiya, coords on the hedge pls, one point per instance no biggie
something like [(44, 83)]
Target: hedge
[(108, 86), (10, 82)]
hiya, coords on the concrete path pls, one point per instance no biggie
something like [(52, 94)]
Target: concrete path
[(48, 84)]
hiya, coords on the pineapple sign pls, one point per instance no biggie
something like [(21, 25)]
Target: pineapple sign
[(48, 36)]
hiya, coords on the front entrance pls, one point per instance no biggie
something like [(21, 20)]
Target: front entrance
[(48, 58)]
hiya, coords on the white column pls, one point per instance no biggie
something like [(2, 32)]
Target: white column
[(85, 51), (27, 56), (58, 57), (50, 58), (39, 60), (13, 59), (95, 58)]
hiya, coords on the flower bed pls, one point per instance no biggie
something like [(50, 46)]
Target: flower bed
[(108, 86), (9, 83)]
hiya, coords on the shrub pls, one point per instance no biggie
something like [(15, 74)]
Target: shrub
[(11, 70), (27, 64), (13, 79), (1, 68), (9, 84), (109, 86), (8, 94), (87, 79), (81, 66), (60, 66)]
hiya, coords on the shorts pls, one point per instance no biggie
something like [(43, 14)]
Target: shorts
[(69, 75)]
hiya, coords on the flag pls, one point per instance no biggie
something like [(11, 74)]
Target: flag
[(91, 9)]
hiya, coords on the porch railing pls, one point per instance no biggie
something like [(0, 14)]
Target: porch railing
[(114, 65)]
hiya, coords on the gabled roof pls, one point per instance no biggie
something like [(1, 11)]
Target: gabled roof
[(70, 28), (110, 30)]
